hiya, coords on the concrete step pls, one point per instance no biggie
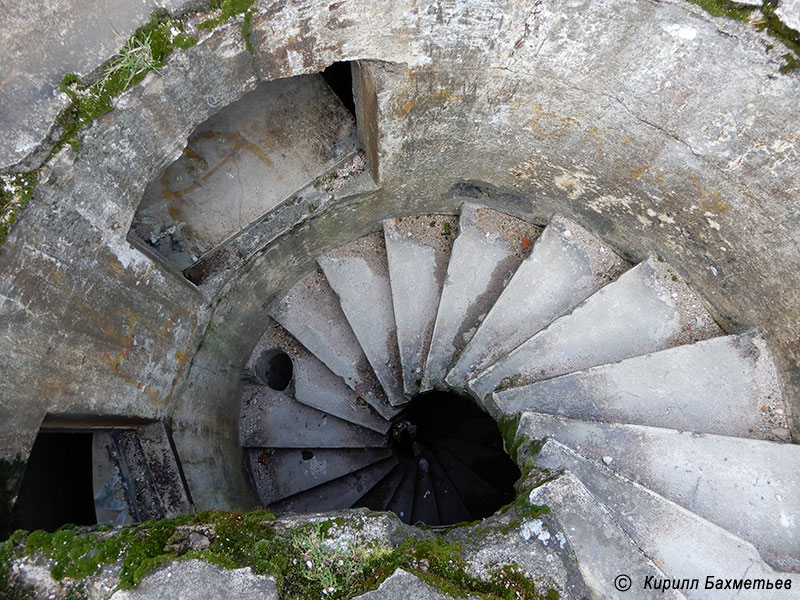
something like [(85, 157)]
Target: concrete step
[(380, 495), (447, 498), (337, 494), (402, 502), (749, 487), (567, 265), (313, 383), (359, 274), (649, 308), (664, 530), (604, 551), (489, 248), (280, 473), (271, 419), (425, 509), (418, 248), (726, 385), (478, 495), (310, 311)]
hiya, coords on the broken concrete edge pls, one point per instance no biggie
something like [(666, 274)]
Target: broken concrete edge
[(763, 18), (91, 99), (338, 555)]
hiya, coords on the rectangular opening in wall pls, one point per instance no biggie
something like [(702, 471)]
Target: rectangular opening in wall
[(57, 485), (253, 170), (84, 472), (339, 76)]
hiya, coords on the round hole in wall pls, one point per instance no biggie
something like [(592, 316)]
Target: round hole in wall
[(275, 369)]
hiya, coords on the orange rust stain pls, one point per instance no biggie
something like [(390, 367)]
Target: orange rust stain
[(239, 143)]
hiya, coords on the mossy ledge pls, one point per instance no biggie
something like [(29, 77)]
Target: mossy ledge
[(312, 560), (146, 50), (762, 18)]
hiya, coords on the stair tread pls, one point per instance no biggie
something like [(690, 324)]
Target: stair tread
[(380, 495), (566, 266), (288, 471), (478, 495), (402, 501), (359, 274), (662, 529), (272, 419), (602, 548), (418, 249), (311, 312), (424, 509), (489, 247), (314, 384), (703, 473), (338, 494), (649, 308), (727, 385), (451, 507)]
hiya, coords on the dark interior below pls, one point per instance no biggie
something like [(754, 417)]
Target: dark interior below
[(452, 465)]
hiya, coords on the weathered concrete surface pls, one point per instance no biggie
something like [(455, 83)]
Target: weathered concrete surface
[(312, 313), (418, 250), (601, 546), (535, 546), (567, 264), (284, 472), (618, 114), (788, 11), (340, 493), (402, 585), (489, 248), (198, 580), (241, 163), (726, 385), (664, 530), (359, 274), (313, 383), (702, 473), (271, 419), (649, 308), (41, 43)]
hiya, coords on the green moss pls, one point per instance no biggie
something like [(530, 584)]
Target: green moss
[(508, 425), (725, 8), (302, 560), (146, 50), (789, 37), (16, 190), (228, 9), (764, 20)]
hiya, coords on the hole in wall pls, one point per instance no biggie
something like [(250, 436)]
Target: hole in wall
[(339, 76), (275, 369)]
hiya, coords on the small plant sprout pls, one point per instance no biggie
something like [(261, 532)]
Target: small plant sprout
[(136, 57)]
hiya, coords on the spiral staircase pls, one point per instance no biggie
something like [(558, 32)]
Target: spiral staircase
[(660, 441)]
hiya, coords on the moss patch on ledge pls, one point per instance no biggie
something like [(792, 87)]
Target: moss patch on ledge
[(311, 560), (16, 190), (762, 18)]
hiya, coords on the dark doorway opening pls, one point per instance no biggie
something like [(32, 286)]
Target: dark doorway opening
[(339, 78), (56, 488)]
